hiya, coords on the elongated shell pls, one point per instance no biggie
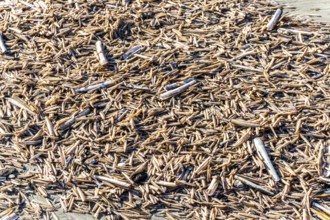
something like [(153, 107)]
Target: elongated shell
[(21, 104), (263, 153), (177, 91), (272, 23)]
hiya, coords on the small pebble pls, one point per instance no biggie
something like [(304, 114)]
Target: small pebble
[(11, 176)]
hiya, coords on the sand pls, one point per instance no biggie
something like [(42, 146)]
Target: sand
[(317, 10)]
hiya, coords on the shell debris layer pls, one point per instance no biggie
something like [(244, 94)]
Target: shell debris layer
[(164, 127)]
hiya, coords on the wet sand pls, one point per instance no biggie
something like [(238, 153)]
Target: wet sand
[(316, 10)]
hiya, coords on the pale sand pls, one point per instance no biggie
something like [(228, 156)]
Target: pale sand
[(317, 10)]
